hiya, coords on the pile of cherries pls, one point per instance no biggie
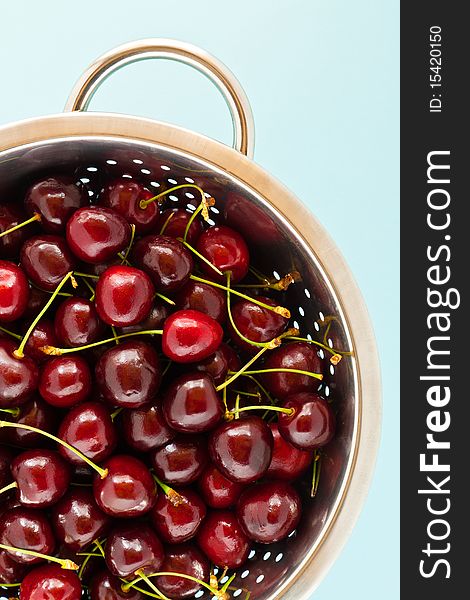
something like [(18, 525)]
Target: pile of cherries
[(156, 410)]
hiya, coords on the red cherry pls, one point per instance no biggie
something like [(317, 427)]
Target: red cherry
[(37, 300), (227, 250), (11, 243), (176, 226), (77, 323), (105, 586), (218, 364), (155, 319), (177, 520), (10, 570), (18, 376), (218, 491), (124, 296), (288, 462), (14, 292), (42, 335), (52, 580), (35, 413), (257, 226), (65, 381), (130, 548), (203, 298), (190, 336), (27, 529), (46, 259), (188, 560), (222, 539), (181, 461), (145, 428)]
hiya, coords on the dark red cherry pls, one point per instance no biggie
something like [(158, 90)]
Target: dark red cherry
[(51, 582), (27, 529), (181, 461), (191, 404), (124, 296), (55, 199), (154, 320), (186, 559), (145, 428), (130, 548), (128, 490), (218, 491), (10, 570), (203, 298), (177, 519), (18, 376), (42, 476), (242, 449), (218, 364), (177, 224), (11, 243), (222, 539), (97, 234), (77, 323), (35, 413), (37, 300), (65, 381), (42, 335), (298, 355), (46, 259), (6, 456), (105, 586), (288, 462), (77, 520), (190, 336), (313, 423), (165, 259), (226, 249), (129, 374), (14, 292), (269, 512), (257, 225), (89, 428), (124, 196)]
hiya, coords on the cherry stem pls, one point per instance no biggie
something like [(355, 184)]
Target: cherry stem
[(102, 472), (131, 584), (237, 407), (236, 374), (165, 224), (117, 412), (144, 203), (8, 332), (124, 258), (37, 217), (115, 335), (14, 412), (164, 298), (172, 495), (333, 351), (230, 415), (10, 486), (279, 285), (280, 370), (80, 274), (204, 208), (317, 460), (90, 287), (151, 585), (65, 563), (19, 352), (200, 256)]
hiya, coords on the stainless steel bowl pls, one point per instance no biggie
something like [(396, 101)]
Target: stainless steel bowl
[(282, 233)]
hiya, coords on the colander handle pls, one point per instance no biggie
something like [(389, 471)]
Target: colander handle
[(211, 67)]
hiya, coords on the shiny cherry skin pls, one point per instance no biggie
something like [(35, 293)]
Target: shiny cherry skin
[(177, 224), (14, 292), (10, 244), (77, 323), (89, 428), (181, 461), (10, 570), (297, 355), (191, 404), (242, 449), (42, 335), (165, 259), (217, 491), (35, 413), (124, 296), (51, 582), (46, 259), (313, 423), (204, 298), (128, 490), (154, 320), (186, 559), (190, 336), (145, 428), (42, 476), (288, 463), (6, 456), (255, 323), (28, 529), (65, 381), (124, 196), (55, 199), (227, 250), (96, 234), (77, 520), (218, 364), (222, 540), (177, 520), (269, 512), (129, 374), (18, 376), (105, 586), (132, 547)]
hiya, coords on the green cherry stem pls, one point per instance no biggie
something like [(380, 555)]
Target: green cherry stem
[(280, 370), (317, 460), (332, 351), (115, 335), (165, 224), (65, 563), (204, 208), (144, 203), (14, 412), (279, 285), (10, 486), (150, 583), (124, 258), (36, 217), (231, 414), (8, 332), (164, 298), (80, 274), (236, 374), (200, 256), (90, 287), (172, 495), (212, 590), (117, 412)]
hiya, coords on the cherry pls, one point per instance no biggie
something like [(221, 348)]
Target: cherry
[(124, 296), (269, 512), (177, 516), (313, 423), (181, 461), (176, 226), (65, 381), (51, 582), (226, 249), (11, 243), (190, 336), (218, 491), (124, 196), (165, 259), (55, 199), (191, 404), (46, 260), (97, 234), (105, 586), (204, 298), (129, 374), (42, 335), (89, 428), (131, 548), (10, 570), (145, 428), (34, 412), (14, 292), (288, 462), (77, 323), (77, 520), (218, 364), (188, 560), (222, 539), (6, 456), (18, 376), (128, 489), (155, 319), (258, 227), (27, 529)]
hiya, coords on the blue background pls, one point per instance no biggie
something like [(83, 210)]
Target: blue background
[(322, 77)]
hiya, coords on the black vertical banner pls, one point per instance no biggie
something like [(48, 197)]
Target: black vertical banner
[(435, 266)]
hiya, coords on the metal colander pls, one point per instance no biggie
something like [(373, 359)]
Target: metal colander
[(283, 236)]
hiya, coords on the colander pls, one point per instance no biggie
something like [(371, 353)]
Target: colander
[(283, 236)]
